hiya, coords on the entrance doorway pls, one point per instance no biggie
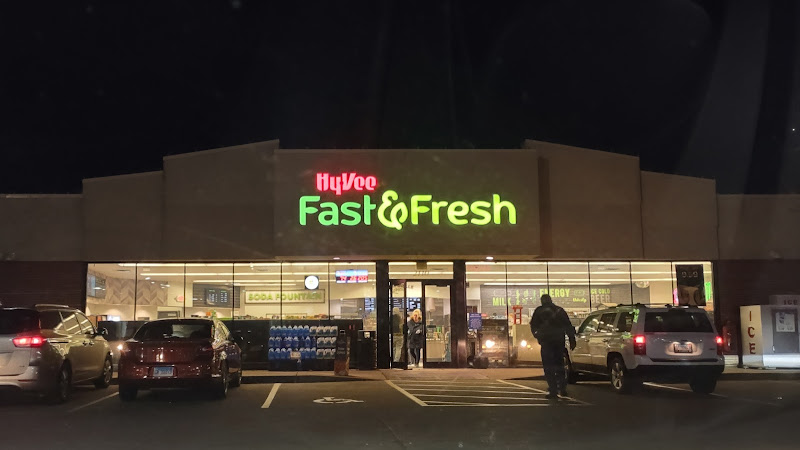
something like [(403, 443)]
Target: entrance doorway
[(433, 298)]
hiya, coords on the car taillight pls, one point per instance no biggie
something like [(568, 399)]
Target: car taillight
[(206, 351), (125, 350), (720, 345), (28, 341), (639, 345)]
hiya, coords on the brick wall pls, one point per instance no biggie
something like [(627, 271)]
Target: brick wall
[(29, 283), (751, 282)]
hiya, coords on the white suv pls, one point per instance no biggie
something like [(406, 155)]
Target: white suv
[(632, 344)]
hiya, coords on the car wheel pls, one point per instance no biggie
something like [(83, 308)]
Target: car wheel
[(237, 379), (128, 393), (221, 389), (622, 380), (569, 371), (63, 388), (105, 378), (703, 384)]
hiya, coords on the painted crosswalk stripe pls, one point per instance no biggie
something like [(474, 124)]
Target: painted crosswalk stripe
[(404, 392), (544, 392)]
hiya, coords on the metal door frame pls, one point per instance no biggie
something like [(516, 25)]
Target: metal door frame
[(403, 363)]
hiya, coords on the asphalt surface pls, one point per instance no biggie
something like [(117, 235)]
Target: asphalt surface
[(416, 413)]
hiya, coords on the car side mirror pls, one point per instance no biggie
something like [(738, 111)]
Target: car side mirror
[(102, 332)]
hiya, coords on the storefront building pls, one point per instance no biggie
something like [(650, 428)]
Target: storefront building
[(270, 238)]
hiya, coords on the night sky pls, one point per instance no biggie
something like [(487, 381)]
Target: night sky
[(104, 88)]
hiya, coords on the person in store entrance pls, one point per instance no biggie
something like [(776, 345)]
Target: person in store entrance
[(416, 338), (549, 325)]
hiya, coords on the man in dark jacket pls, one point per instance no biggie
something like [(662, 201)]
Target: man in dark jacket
[(549, 325)]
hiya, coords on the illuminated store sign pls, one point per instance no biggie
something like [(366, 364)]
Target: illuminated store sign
[(396, 211), (317, 296), (398, 202), (352, 276)]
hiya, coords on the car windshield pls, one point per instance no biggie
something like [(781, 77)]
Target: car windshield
[(13, 321), (677, 321), (173, 330)]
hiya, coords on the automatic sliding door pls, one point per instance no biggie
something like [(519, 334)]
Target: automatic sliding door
[(437, 323)]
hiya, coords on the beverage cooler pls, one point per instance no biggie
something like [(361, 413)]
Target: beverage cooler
[(770, 337)]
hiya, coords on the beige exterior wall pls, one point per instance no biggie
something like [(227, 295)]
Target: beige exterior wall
[(590, 203), (219, 203), (759, 226), (123, 217), (41, 228), (679, 217)]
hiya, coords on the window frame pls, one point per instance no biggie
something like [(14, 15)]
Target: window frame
[(585, 324), (604, 327)]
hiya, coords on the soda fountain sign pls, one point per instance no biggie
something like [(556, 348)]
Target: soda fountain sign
[(396, 210)]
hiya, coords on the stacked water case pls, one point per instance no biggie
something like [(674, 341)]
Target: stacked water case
[(312, 342)]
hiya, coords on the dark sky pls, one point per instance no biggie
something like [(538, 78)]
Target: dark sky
[(102, 88)]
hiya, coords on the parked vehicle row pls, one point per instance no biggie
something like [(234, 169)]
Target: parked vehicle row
[(48, 349), (634, 344)]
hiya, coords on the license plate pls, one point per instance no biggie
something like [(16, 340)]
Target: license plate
[(159, 372), (683, 348)]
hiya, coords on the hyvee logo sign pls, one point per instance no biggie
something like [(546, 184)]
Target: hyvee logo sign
[(395, 210), (388, 203)]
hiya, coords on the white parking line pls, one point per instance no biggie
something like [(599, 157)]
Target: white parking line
[(475, 396), (271, 396), (402, 391), (78, 408), (675, 388), (544, 392), (444, 385), (467, 391)]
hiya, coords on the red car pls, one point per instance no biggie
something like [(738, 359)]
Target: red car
[(180, 353)]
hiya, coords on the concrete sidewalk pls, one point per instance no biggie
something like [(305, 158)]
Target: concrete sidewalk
[(266, 376)]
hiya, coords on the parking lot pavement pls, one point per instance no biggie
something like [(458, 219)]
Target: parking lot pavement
[(403, 413)]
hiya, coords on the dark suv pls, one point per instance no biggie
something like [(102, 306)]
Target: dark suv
[(49, 348)]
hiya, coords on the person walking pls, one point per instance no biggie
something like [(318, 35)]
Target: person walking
[(549, 325), (416, 338)]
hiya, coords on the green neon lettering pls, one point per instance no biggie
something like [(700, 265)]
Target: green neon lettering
[(350, 209), (397, 213), (305, 209), (499, 205), (456, 210), (481, 209), (417, 209), (331, 216), (368, 208), (435, 215)]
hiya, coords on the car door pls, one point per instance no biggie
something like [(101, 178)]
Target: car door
[(621, 339), (96, 348), (232, 350), (77, 346), (580, 356), (600, 339)]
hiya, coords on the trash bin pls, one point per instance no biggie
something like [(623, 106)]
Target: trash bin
[(367, 350)]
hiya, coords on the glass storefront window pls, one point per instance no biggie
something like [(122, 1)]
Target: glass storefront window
[(487, 313), (210, 290), (260, 285), (653, 283), (353, 292), (110, 291), (568, 285), (300, 302), (610, 284), (160, 292)]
